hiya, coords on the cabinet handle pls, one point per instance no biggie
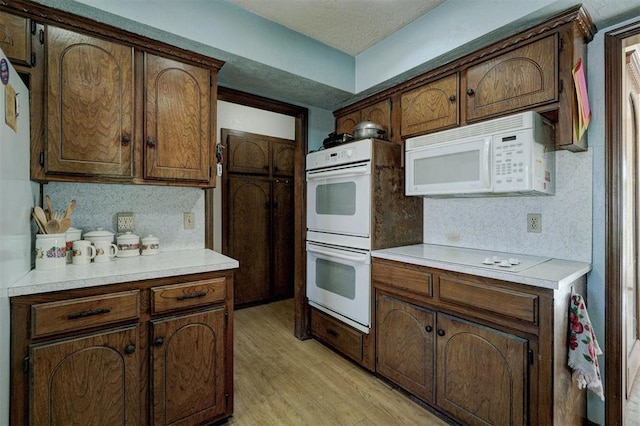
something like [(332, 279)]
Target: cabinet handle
[(470, 92), (129, 349), (85, 314), (151, 143), (192, 295), (429, 329), (126, 140), (452, 98), (440, 332), (158, 341), (332, 332)]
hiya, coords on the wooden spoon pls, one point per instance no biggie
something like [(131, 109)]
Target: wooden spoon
[(64, 225), (52, 227), (47, 199), (41, 218), (40, 226), (69, 210)]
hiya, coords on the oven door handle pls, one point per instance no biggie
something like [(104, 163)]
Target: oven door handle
[(352, 171), (355, 258)]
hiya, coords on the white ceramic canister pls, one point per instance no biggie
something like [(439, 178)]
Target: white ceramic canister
[(51, 251), (72, 234), (128, 244), (150, 245), (103, 242)]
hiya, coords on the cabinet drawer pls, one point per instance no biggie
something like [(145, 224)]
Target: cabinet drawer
[(342, 337), (187, 295), (85, 312), (415, 281), (522, 306)]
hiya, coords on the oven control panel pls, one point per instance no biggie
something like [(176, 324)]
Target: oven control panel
[(343, 154)]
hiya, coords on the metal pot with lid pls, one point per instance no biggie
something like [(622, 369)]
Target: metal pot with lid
[(368, 129)]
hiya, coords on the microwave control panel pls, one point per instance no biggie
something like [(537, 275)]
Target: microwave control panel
[(511, 162)]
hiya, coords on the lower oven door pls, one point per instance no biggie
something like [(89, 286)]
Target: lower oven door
[(339, 283)]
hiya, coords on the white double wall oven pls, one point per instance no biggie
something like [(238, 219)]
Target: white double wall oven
[(339, 232)]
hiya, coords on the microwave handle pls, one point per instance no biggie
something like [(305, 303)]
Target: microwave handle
[(362, 259), (354, 171)]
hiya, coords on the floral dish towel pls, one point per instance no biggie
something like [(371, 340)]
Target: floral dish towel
[(583, 347)]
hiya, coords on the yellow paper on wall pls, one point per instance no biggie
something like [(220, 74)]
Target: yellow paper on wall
[(10, 113)]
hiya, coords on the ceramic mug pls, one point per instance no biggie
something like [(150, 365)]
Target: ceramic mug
[(72, 235), (51, 251), (105, 251), (83, 252)]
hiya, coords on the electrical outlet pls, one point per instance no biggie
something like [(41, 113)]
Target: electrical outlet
[(534, 222), (125, 222), (189, 220)]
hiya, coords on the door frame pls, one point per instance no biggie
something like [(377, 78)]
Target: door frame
[(301, 114), (615, 387)]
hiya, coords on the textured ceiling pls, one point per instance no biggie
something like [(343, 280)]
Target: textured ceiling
[(351, 26)]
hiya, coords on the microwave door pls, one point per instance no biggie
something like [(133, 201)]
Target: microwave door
[(450, 168)]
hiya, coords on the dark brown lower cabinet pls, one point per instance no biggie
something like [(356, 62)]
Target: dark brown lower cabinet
[(260, 236), (188, 386), (405, 345), (90, 380), (480, 351), (152, 352)]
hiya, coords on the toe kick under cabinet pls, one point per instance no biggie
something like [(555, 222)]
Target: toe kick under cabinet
[(146, 352), (479, 350)]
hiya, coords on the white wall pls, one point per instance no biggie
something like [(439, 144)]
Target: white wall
[(239, 117)]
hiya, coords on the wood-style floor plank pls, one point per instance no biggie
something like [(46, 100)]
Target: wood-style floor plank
[(280, 380)]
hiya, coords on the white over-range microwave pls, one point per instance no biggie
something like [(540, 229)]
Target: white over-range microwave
[(511, 155)]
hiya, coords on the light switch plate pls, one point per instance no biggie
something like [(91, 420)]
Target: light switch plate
[(189, 220)]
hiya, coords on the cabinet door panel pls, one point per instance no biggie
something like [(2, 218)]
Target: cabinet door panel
[(283, 154), (88, 380), (15, 40), (379, 113), (522, 78), (249, 237), (347, 123), (188, 368), (283, 229), (247, 154), (405, 345), (89, 105), (430, 107), (177, 144), (482, 373)]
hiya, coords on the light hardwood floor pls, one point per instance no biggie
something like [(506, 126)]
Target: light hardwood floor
[(280, 380)]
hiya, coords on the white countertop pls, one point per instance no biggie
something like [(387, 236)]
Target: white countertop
[(164, 264), (546, 273)]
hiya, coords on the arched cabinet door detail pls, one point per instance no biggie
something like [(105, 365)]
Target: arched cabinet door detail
[(177, 140), (90, 81)]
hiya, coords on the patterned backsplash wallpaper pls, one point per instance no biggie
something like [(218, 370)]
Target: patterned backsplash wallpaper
[(157, 210)]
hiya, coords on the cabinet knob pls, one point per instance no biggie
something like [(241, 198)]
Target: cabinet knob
[(158, 341), (470, 92), (429, 329), (440, 332), (151, 143), (126, 140), (452, 98), (130, 349)]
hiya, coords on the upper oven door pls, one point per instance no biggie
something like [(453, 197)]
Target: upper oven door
[(339, 199), (461, 167)]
